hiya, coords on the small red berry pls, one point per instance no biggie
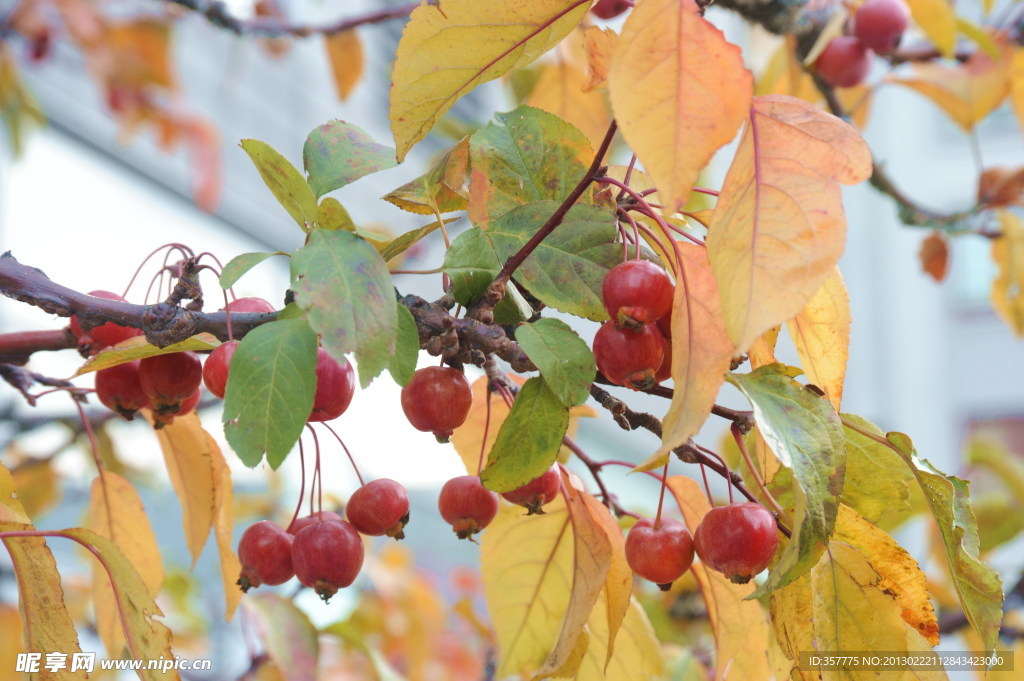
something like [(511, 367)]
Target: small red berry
[(538, 492), (665, 372), (637, 292), (609, 9), (165, 418), (119, 389), (467, 505), (844, 62), (737, 540), (659, 555), (265, 551), (327, 556), (629, 358), (215, 369), (104, 335), (249, 305), (312, 518), (879, 24), (335, 385), (380, 507), (437, 400), (170, 379)]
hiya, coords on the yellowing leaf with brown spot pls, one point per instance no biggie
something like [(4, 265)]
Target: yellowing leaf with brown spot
[(778, 227), (679, 92), (937, 19), (223, 524), (345, 56), (701, 352), (598, 44), (821, 334), (1007, 293), (147, 637), (967, 92), (740, 626), (592, 555), (116, 513), (186, 448), (900, 575), (449, 48), (559, 91)]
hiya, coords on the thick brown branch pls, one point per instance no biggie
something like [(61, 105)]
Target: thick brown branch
[(268, 27), (17, 348)]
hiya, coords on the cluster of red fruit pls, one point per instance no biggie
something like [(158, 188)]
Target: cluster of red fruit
[(737, 540), (633, 348), (878, 26), (170, 384), (323, 550)]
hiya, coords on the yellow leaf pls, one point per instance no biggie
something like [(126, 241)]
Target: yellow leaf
[(186, 448), (143, 49), (937, 19), (449, 48), (592, 552), (778, 227), (38, 486), (469, 437), (1008, 287), (762, 352), (598, 43), (967, 92), (345, 55), (116, 513), (10, 644), (981, 36), (701, 352), (679, 92), (821, 334), (1017, 84), (637, 655), (558, 91), (740, 626), (138, 348), (900, 575), (11, 510), (527, 568), (619, 582), (223, 524), (147, 637), (40, 600)]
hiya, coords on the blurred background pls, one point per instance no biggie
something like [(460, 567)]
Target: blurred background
[(86, 201)]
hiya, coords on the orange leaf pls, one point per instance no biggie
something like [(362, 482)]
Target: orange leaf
[(116, 513), (778, 227), (1007, 292), (345, 55), (186, 449), (598, 43), (679, 92), (967, 92), (143, 49), (740, 626), (559, 91), (701, 352), (1017, 84), (206, 165), (1001, 187), (821, 334), (762, 352), (934, 255), (223, 524)]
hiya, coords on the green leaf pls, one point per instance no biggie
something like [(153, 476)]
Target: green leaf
[(471, 264), (270, 393), (402, 364), (804, 431), (565, 361), (284, 181), (338, 153), (529, 439), (441, 189), (877, 479), (401, 243), (240, 264), (332, 215), (977, 584), (529, 155), (346, 289), (513, 308), (567, 269)]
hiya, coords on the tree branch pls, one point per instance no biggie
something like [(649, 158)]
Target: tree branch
[(266, 27)]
